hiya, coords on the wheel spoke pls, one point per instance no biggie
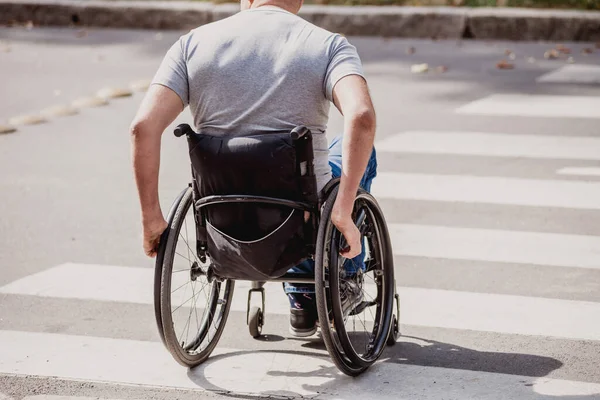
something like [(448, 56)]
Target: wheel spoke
[(179, 288), (186, 237), (182, 304), (184, 257), (194, 300), (189, 249), (370, 311), (180, 270)]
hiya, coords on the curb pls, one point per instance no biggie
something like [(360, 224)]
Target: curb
[(529, 24), (385, 21)]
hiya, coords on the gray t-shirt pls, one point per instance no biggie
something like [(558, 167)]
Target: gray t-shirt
[(261, 70)]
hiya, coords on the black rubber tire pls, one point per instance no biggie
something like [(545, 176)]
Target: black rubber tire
[(255, 322), (323, 294), (158, 265), (180, 354), (385, 311), (328, 298)]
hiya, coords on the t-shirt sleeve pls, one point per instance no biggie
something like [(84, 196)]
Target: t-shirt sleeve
[(172, 72), (343, 61)]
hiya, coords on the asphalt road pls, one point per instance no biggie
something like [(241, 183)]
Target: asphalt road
[(489, 178)]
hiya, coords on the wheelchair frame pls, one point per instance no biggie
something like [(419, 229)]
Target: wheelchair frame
[(200, 203)]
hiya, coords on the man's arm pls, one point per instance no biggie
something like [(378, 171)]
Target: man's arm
[(351, 97), (158, 110)]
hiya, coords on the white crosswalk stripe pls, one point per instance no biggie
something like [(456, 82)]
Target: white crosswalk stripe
[(492, 145), (489, 190), (147, 363), (421, 307), (580, 73), (550, 249), (521, 105), (580, 171)]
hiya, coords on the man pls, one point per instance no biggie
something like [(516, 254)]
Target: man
[(263, 69)]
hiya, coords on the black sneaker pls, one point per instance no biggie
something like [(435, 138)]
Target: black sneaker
[(351, 294), (303, 314)]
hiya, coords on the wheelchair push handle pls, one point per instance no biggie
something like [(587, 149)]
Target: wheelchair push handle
[(183, 129), (299, 132)]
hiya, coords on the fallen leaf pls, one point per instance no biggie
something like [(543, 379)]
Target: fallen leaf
[(505, 65), (419, 68), (441, 69), (551, 54), (410, 50), (587, 50), (561, 48)]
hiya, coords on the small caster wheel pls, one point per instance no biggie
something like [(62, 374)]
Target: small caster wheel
[(255, 321), (394, 332)]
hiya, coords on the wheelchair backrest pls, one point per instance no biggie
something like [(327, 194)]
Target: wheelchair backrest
[(252, 239)]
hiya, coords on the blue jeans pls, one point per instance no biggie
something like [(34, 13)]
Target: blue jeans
[(307, 267)]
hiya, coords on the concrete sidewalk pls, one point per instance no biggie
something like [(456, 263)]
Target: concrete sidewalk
[(386, 21)]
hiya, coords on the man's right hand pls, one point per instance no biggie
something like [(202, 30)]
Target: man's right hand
[(152, 232)]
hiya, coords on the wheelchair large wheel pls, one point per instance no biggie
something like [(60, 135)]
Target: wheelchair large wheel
[(355, 302), (191, 309)]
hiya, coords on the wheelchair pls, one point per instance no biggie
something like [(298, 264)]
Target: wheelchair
[(251, 212)]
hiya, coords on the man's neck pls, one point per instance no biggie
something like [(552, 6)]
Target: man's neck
[(283, 5)]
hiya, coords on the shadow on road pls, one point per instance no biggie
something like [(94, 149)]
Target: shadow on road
[(428, 353), (414, 368)]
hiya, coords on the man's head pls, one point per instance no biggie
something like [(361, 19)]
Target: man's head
[(292, 6)]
